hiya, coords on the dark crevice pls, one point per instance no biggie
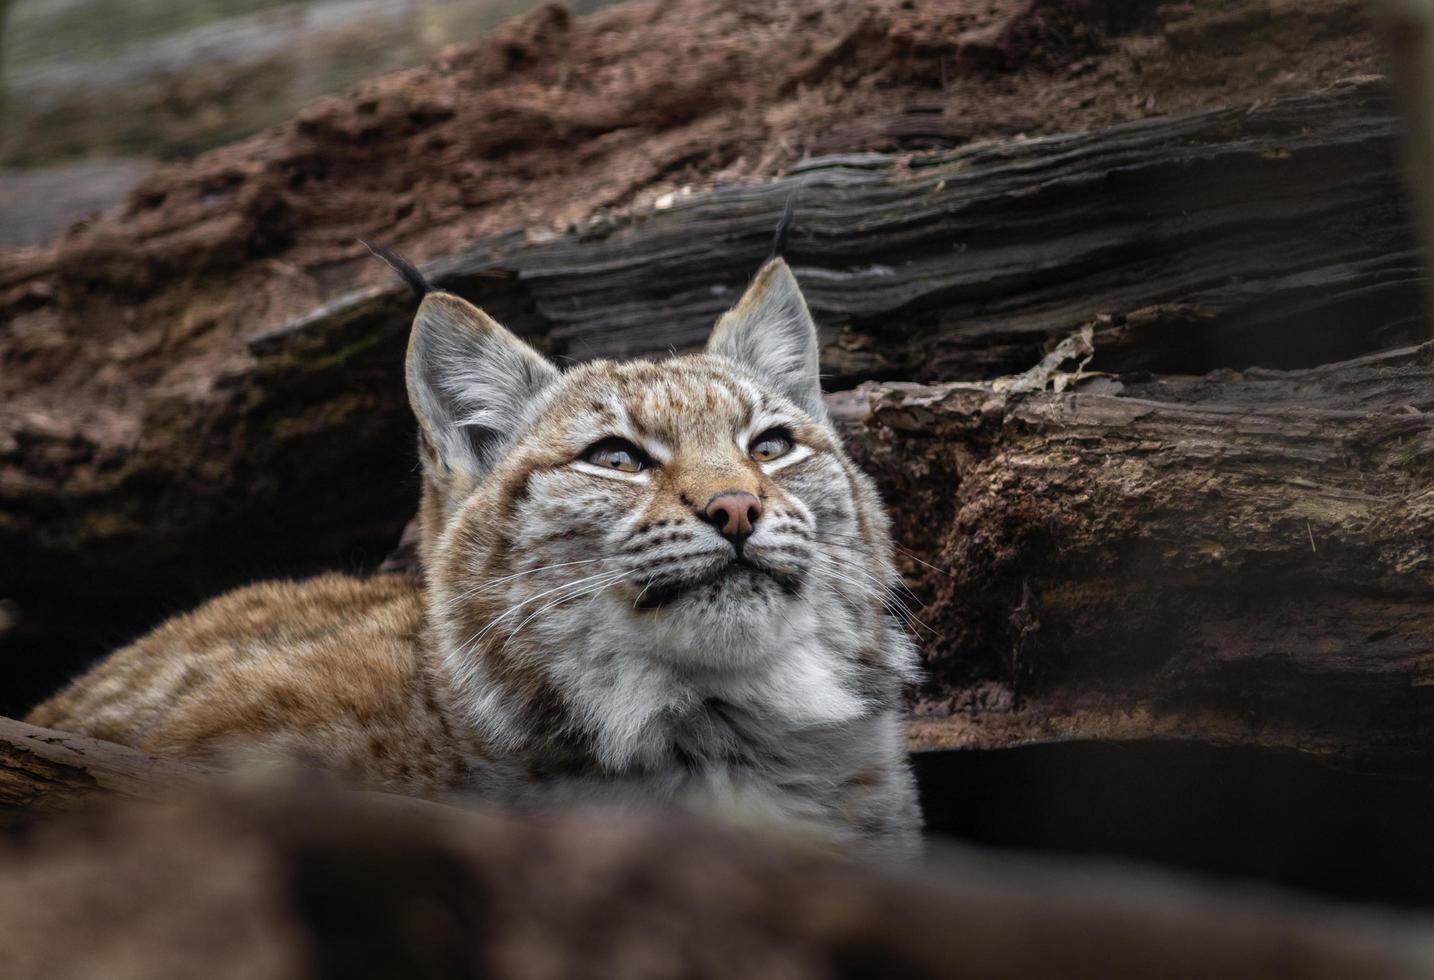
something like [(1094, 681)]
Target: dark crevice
[(1245, 813)]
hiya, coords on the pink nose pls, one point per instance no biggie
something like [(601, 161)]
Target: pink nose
[(734, 514)]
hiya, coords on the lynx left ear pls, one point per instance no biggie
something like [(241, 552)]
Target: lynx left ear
[(472, 384), (771, 331)]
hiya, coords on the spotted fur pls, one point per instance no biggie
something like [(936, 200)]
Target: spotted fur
[(585, 632)]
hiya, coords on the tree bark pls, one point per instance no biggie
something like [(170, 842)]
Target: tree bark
[(1241, 558)]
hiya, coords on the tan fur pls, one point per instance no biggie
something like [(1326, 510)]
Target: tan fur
[(329, 670)]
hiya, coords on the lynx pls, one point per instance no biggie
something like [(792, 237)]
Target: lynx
[(644, 583)]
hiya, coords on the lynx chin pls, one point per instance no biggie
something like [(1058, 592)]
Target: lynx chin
[(653, 582)]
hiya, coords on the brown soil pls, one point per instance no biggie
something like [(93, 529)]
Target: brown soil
[(554, 119)]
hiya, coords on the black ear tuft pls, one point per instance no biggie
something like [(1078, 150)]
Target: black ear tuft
[(784, 225), (406, 270)]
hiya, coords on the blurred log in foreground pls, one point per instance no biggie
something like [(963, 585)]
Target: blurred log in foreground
[(283, 881), (1240, 558)]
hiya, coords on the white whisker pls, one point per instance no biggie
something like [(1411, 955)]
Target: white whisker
[(488, 584), (594, 590), (468, 645)]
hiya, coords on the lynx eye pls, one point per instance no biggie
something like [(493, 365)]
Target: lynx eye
[(617, 454), (770, 445)]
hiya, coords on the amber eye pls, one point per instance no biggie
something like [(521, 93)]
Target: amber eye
[(617, 454), (770, 445)]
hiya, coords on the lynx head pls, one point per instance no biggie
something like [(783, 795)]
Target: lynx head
[(610, 549)]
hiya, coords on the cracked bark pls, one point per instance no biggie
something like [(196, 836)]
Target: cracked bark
[(1239, 558)]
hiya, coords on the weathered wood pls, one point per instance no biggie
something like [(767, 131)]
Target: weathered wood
[(962, 265), (45, 769), (1238, 558), (1276, 229)]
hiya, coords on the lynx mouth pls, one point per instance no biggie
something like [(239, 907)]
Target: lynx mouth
[(658, 594)]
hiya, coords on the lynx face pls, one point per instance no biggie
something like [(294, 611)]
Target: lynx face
[(697, 503), (615, 549)]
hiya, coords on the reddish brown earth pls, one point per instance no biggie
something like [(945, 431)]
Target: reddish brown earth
[(553, 119), (116, 341)]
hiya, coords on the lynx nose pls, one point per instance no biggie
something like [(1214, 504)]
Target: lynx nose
[(734, 513)]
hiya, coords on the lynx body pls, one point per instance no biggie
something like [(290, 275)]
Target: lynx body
[(645, 582)]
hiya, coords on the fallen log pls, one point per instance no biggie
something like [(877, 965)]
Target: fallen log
[(1265, 227), (1240, 558), (1273, 235), (1269, 225)]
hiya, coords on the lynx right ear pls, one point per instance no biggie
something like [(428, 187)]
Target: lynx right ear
[(771, 331), (472, 384)]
